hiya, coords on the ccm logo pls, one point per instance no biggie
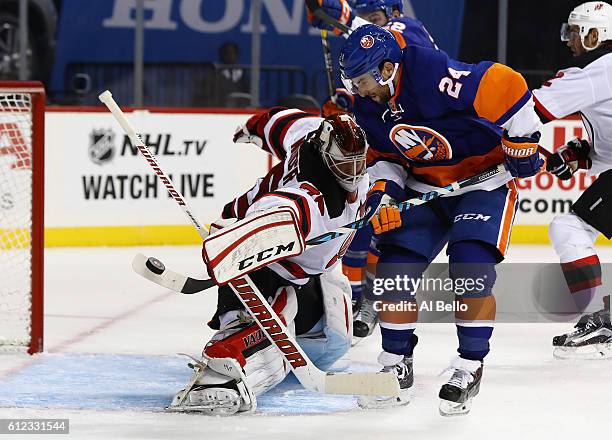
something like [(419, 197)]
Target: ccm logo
[(460, 217), (265, 254)]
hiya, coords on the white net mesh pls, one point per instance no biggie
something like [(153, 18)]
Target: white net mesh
[(15, 220)]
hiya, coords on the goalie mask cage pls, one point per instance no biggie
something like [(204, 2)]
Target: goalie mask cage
[(22, 106)]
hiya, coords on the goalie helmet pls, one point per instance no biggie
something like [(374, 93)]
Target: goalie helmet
[(363, 53), (343, 146), (587, 16)]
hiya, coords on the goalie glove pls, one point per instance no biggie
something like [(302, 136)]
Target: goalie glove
[(338, 9), (242, 135), (570, 158), (522, 158), (381, 201), (253, 131)]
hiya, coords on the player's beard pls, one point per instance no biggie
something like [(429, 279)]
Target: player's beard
[(381, 95)]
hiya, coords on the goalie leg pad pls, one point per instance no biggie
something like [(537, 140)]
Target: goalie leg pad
[(327, 347), (238, 364), (251, 243)]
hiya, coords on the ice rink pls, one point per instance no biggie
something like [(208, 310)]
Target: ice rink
[(111, 365)]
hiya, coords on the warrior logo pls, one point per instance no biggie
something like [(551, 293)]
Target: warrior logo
[(101, 146), (367, 41), (421, 144)]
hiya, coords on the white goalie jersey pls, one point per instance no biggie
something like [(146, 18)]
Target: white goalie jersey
[(302, 182), (585, 88)]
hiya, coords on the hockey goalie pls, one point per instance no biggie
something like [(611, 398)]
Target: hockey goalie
[(319, 185)]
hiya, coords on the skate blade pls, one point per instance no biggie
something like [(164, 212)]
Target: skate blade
[(452, 409), (211, 401), (369, 402), (587, 352), (356, 340)]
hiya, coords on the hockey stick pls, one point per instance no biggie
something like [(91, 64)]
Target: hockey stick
[(318, 12), (329, 67), (154, 270), (107, 99), (410, 203), (311, 378), (187, 285)]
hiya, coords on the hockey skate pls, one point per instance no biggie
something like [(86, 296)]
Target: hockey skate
[(402, 367), (591, 339), (457, 394), (217, 387), (356, 306), (365, 320)]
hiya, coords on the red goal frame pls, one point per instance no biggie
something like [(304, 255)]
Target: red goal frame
[(37, 92)]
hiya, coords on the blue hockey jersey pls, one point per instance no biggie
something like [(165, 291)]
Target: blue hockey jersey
[(445, 120)]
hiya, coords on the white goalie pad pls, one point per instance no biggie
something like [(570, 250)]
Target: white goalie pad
[(251, 243)]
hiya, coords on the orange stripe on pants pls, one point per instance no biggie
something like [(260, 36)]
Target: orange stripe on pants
[(507, 219), (478, 309)]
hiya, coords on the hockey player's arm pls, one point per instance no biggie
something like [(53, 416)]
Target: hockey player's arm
[(572, 90), (276, 130), (499, 94), (503, 98), (388, 177)]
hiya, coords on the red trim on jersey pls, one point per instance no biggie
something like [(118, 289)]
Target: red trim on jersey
[(543, 109), (303, 211), (346, 318), (242, 206), (294, 269)]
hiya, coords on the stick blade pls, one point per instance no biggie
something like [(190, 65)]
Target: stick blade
[(168, 279), (363, 384)]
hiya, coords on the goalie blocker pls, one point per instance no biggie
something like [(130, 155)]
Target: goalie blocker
[(252, 243)]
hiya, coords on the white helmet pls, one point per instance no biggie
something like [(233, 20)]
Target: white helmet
[(587, 16)]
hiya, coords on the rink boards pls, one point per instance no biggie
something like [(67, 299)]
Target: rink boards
[(100, 192)]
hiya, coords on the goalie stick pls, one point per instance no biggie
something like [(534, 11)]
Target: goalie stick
[(187, 285), (106, 98), (311, 378)]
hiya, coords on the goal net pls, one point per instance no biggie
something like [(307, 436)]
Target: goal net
[(21, 215)]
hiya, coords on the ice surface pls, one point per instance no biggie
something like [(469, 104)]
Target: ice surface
[(110, 366)]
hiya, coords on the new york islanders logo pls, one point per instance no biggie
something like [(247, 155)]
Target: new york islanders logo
[(366, 41), (421, 144)]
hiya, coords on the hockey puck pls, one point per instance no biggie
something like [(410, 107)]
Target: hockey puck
[(155, 266)]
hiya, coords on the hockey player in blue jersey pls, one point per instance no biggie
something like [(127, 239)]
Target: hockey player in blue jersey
[(360, 255), (430, 121)]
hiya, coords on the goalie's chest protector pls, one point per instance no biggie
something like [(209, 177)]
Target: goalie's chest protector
[(322, 206)]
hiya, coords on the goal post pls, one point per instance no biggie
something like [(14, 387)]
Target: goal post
[(22, 106)]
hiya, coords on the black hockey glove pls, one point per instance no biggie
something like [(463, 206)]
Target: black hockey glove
[(570, 158)]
